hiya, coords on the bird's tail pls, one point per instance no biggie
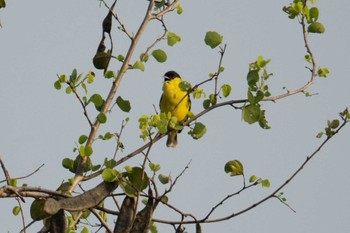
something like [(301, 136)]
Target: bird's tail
[(172, 138)]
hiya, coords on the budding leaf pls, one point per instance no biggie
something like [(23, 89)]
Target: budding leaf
[(234, 167), (172, 38)]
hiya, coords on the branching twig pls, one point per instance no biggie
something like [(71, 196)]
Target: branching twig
[(26, 176), (272, 195), (81, 102), (312, 70), (103, 223), (122, 26)]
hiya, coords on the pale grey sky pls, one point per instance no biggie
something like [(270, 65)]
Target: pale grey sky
[(41, 39)]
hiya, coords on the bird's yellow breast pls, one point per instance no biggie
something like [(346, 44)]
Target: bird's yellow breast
[(172, 95)]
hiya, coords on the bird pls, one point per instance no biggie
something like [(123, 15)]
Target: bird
[(174, 101)]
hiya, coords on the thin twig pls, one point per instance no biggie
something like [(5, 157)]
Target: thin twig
[(81, 102), (313, 69), (103, 223), (26, 176)]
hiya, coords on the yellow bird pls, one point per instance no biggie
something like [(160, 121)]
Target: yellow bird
[(175, 101)]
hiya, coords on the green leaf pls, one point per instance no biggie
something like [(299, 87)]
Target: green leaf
[(313, 13), (172, 38), (163, 178), (234, 167), (13, 182), (198, 131), (316, 27), (226, 90), (16, 210), (251, 113), (124, 105), (138, 178), (153, 228), (262, 120), (110, 175), (85, 230), (144, 57), (154, 167), (82, 139), (68, 90), (139, 66), (102, 118), (88, 150), (162, 125), (265, 183), (179, 9), (109, 74), (159, 55), (213, 39), (57, 85), (68, 164), (322, 72), (319, 135), (73, 76), (120, 58), (253, 77), (90, 77), (206, 103), (110, 163), (97, 100), (253, 178), (82, 150)]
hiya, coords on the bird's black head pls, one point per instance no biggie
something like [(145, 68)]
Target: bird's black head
[(170, 75)]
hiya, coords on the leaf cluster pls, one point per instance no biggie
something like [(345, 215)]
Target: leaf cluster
[(257, 91)]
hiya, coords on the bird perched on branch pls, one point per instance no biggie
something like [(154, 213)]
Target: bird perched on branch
[(175, 101)]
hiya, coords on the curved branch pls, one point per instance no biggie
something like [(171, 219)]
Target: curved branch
[(313, 69)]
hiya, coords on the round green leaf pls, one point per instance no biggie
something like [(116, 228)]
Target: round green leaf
[(138, 178), (57, 85), (198, 131), (82, 139), (316, 27), (251, 113), (213, 39), (102, 118), (253, 178), (110, 175), (159, 55), (163, 178)]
